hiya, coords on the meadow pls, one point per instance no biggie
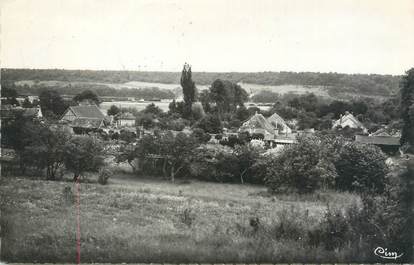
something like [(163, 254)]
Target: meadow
[(137, 219)]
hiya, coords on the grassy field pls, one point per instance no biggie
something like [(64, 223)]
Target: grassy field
[(145, 220)]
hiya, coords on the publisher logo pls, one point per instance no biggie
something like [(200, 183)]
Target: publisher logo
[(385, 254)]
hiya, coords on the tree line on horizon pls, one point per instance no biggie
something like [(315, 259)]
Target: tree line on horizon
[(365, 84)]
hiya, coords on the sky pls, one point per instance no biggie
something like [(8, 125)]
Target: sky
[(347, 36)]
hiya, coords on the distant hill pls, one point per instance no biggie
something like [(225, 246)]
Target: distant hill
[(334, 84)]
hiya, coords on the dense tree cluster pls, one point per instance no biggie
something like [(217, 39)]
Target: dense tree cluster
[(103, 90), (42, 146), (407, 109), (325, 162), (87, 96), (52, 103)]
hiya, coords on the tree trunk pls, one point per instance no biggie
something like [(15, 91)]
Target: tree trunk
[(131, 163), (49, 173), (164, 168), (172, 173), (22, 166), (242, 175)]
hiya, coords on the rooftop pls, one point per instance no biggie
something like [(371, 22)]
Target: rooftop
[(378, 140), (87, 111)]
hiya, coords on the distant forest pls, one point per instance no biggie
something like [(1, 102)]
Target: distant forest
[(363, 84), (147, 93)]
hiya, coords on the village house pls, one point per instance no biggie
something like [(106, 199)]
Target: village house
[(125, 119), (84, 118), (386, 131), (8, 112), (279, 124), (388, 144), (35, 112), (349, 120), (257, 124), (274, 129)]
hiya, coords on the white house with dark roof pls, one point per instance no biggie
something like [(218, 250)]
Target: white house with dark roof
[(125, 119), (349, 120), (257, 124), (279, 124)]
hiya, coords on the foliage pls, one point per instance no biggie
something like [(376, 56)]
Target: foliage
[(88, 96), (214, 163), (200, 135), (233, 140), (51, 103), (242, 113), (104, 175), (204, 97), (36, 144), (113, 110), (187, 216), (335, 83), (385, 220), (361, 167), (175, 124), (227, 95), (152, 109), (176, 151), (303, 167), (82, 154), (197, 110), (265, 96), (224, 164), (247, 156), (173, 152), (189, 88), (27, 104), (8, 93), (12, 131), (146, 120), (210, 124), (407, 108), (127, 136)]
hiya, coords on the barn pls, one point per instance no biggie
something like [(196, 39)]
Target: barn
[(84, 118)]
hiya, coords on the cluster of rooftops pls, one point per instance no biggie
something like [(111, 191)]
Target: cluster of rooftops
[(276, 129), (273, 128)]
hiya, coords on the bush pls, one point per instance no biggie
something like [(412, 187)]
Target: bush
[(231, 141), (258, 136), (104, 175), (361, 168), (291, 224), (197, 110), (201, 136), (381, 220), (83, 154), (214, 163), (303, 167), (187, 217), (210, 124)]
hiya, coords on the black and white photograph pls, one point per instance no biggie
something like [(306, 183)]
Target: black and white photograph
[(207, 132)]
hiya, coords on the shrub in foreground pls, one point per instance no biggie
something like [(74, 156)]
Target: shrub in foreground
[(82, 154), (361, 167), (303, 167), (104, 175)]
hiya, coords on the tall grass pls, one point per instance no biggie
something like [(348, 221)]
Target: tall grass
[(120, 224)]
